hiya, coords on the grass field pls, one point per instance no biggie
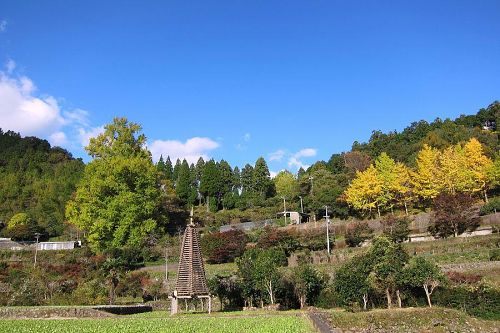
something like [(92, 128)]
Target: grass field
[(156, 322), (410, 320)]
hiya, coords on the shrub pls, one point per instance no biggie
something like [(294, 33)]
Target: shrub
[(273, 237), (222, 247), (491, 207), (495, 254), (481, 301), (453, 215), (357, 233), (463, 278), (396, 228)]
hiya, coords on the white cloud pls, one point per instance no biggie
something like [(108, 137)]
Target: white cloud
[(58, 139), (84, 134), (306, 152), (277, 155), (3, 25), (247, 137), (273, 173), (24, 110), (191, 150), (295, 159)]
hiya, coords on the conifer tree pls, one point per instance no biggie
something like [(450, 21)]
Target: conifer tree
[(175, 172), (168, 169), (262, 183), (247, 183), (183, 187)]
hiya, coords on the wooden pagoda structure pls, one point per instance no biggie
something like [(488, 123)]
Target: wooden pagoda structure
[(191, 281)]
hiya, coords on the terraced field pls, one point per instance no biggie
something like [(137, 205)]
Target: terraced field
[(152, 323)]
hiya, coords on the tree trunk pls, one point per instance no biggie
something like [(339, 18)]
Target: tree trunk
[(378, 211), (270, 290), (406, 209), (365, 301), (302, 300), (485, 196), (208, 204), (388, 296), (399, 298), (426, 288)]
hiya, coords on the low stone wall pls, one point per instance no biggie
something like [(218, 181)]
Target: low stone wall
[(102, 311), (124, 309), (51, 312)]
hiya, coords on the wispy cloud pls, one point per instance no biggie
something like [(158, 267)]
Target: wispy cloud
[(191, 150), (3, 25), (295, 161), (277, 155), (247, 137), (86, 133)]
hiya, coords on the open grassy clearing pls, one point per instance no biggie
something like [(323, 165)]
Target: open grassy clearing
[(156, 322), (409, 320)]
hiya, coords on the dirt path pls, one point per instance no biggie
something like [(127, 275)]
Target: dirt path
[(321, 324)]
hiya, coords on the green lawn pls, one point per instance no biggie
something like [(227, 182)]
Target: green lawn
[(157, 322)]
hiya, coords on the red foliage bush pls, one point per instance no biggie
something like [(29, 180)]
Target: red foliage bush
[(463, 278), (222, 247)]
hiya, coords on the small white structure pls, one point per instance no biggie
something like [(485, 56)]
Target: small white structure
[(45, 246), (294, 217)]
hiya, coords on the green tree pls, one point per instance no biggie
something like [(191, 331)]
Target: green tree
[(286, 185), (210, 183), (247, 182), (169, 169), (388, 271), (307, 284), (420, 272), (262, 183), (183, 185), (351, 280), (117, 201)]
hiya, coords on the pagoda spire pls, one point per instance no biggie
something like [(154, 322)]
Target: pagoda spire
[(191, 279)]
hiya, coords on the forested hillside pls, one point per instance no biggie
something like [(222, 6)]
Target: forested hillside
[(392, 171), (35, 179)]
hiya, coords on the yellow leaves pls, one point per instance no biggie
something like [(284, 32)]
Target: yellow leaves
[(425, 178), (477, 166), (455, 169), (364, 191)]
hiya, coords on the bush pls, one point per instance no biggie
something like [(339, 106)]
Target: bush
[(453, 215), (482, 301), (463, 278), (495, 254), (222, 247), (283, 239), (491, 207), (357, 233), (396, 228)]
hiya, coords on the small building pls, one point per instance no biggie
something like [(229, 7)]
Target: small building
[(294, 217), (47, 246)]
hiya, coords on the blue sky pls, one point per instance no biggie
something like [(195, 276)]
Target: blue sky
[(293, 81)]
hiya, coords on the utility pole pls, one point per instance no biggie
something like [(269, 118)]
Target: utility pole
[(166, 263), (37, 236), (284, 208), (301, 205), (327, 230), (311, 179)]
